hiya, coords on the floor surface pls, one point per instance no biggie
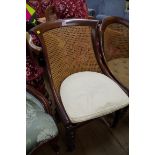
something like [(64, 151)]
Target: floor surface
[(95, 138)]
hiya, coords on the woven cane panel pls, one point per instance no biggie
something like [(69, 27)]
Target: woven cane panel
[(120, 69), (116, 42), (69, 50)]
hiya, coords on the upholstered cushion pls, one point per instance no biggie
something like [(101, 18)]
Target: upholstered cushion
[(34, 102), (39, 125), (88, 95), (120, 69)]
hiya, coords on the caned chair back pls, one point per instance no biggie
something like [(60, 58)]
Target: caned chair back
[(116, 41), (69, 48), (114, 37)]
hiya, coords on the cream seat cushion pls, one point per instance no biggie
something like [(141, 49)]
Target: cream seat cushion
[(88, 95), (120, 69)]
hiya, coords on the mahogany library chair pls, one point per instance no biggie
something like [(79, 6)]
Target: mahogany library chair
[(82, 87)]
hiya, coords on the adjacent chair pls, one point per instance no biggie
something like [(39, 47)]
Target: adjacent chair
[(82, 87), (40, 126), (114, 37)]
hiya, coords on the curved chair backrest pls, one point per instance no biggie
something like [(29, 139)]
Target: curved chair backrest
[(70, 46), (114, 37)]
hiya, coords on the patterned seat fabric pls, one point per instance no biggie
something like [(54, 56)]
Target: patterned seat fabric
[(120, 69), (39, 125), (87, 95)]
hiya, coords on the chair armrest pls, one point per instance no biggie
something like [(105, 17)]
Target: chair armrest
[(30, 42)]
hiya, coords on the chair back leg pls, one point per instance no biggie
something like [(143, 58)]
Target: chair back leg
[(70, 138), (55, 146)]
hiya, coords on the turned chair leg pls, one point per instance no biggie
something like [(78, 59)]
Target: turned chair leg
[(55, 146), (57, 116), (115, 119), (70, 138), (118, 115)]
